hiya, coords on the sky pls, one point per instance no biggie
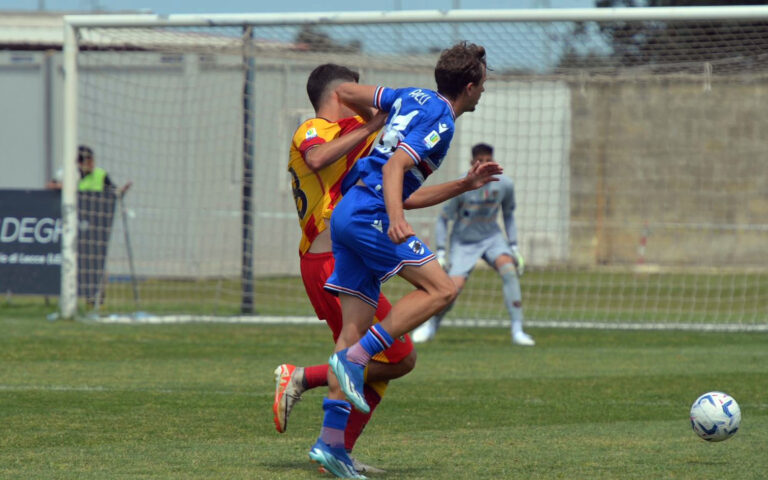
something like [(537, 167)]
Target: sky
[(262, 6)]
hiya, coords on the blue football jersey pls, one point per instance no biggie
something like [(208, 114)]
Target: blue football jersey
[(421, 123)]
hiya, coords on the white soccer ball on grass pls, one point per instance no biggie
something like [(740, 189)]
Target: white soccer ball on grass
[(715, 416)]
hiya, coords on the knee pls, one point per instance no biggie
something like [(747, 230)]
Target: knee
[(447, 293), (409, 362)]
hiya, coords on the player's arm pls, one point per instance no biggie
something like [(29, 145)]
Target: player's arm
[(508, 214), (392, 178), (479, 175), (324, 154), (359, 98), (449, 212)]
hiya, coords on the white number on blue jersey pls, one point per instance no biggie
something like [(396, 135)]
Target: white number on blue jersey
[(393, 133)]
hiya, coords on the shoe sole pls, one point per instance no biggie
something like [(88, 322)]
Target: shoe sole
[(332, 465), (347, 386)]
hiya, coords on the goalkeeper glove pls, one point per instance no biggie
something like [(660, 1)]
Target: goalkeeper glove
[(517, 258), (440, 255)]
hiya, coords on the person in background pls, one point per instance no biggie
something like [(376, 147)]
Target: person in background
[(476, 234), (92, 178)]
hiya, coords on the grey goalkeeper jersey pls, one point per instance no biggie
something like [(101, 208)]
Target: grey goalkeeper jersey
[(475, 214)]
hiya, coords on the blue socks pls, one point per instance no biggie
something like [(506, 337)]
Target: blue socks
[(335, 422), (374, 341)]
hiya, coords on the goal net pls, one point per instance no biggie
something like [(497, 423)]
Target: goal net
[(635, 140)]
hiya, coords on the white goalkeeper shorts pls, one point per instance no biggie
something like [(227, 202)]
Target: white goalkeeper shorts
[(464, 256)]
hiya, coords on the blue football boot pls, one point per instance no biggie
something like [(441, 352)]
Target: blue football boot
[(350, 377), (334, 460)]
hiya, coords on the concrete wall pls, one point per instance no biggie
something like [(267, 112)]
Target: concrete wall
[(679, 161), (23, 159)]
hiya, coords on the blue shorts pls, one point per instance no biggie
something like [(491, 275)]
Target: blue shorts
[(365, 256)]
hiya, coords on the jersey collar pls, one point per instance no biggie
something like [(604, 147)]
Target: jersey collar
[(453, 114)]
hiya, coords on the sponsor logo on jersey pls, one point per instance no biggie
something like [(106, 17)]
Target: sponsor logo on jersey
[(442, 127), (311, 133), (377, 225), (489, 194), (431, 139), (419, 96), (417, 247)]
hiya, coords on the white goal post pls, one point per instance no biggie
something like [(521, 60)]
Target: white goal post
[(633, 137)]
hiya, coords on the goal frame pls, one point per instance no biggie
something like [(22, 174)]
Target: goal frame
[(73, 23)]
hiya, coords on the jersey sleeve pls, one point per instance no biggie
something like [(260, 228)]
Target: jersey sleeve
[(384, 97), (430, 139), (315, 132)]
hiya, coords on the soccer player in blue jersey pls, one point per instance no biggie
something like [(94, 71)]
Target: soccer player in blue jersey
[(476, 234), (372, 241)]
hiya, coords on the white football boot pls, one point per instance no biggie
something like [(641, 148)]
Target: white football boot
[(423, 333), (522, 338)]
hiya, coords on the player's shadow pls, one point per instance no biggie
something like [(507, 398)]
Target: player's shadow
[(312, 469)]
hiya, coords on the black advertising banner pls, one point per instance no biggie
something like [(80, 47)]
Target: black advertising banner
[(30, 241)]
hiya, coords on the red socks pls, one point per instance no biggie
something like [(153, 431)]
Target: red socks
[(358, 420), (316, 376)]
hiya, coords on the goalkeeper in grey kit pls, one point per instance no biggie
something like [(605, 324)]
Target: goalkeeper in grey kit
[(476, 234)]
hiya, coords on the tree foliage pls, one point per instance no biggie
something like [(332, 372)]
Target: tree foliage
[(659, 43), (312, 39)]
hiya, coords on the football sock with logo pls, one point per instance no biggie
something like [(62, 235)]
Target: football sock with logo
[(334, 422), (315, 376), (512, 296), (374, 341), (358, 420)]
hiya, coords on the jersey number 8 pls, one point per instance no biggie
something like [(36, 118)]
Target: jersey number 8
[(298, 195)]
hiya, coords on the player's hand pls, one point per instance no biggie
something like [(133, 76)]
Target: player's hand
[(440, 255), (399, 230), (377, 121), (517, 259), (481, 173), (125, 188)]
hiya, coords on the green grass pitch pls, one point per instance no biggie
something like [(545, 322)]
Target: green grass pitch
[(85, 401)]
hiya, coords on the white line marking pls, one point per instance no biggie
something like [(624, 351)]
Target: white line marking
[(145, 319), (101, 388)]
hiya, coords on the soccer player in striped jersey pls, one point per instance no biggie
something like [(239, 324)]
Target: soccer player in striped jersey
[(323, 150), (372, 241), (476, 234)]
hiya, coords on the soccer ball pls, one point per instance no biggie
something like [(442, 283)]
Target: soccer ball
[(715, 416)]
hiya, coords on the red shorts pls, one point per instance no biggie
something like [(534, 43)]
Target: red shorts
[(315, 270)]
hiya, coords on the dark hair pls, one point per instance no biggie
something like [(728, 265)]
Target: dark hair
[(458, 66), (324, 75), (482, 149), (84, 152)]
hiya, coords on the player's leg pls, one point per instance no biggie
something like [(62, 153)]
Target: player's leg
[(292, 381), (500, 258), (427, 330), (434, 290), (357, 283), (329, 450), (463, 258), (396, 361), (358, 299)]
